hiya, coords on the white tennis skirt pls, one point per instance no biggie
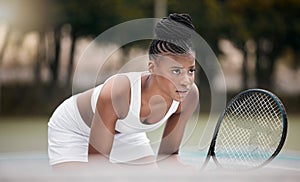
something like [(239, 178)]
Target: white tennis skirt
[(68, 139)]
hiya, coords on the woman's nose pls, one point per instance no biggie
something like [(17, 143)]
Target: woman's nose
[(186, 80)]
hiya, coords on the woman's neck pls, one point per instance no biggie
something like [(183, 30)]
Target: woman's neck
[(151, 88)]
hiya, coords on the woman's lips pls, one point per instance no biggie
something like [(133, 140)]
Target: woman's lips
[(182, 93)]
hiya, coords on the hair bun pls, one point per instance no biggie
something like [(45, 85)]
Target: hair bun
[(174, 27), (173, 35)]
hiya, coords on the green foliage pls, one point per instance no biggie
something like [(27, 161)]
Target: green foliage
[(90, 17), (274, 25), (273, 21)]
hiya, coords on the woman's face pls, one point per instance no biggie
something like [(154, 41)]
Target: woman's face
[(174, 74)]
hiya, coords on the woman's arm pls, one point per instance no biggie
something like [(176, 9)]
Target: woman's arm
[(175, 125), (111, 105)]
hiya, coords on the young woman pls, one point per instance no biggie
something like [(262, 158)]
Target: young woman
[(112, 119)]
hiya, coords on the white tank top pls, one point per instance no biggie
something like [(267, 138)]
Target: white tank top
[(132, 123)]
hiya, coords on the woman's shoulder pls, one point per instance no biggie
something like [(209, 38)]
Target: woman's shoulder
[(120, 83), (116, 86), (115, 94)]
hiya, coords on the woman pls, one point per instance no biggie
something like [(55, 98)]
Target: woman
[(112, 119)]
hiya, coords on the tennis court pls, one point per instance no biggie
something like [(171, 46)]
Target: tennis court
[(23, 157)]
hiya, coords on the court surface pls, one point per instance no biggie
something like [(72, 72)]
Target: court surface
[(34, 167), (23, 157)]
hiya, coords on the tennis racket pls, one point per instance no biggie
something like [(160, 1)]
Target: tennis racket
[(250, 132)]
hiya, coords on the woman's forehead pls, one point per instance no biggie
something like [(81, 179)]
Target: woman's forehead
[(177, 59)]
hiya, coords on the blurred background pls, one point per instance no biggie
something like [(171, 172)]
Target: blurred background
[(257, 44)]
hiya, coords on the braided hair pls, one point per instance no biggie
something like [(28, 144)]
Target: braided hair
[(172, 35)]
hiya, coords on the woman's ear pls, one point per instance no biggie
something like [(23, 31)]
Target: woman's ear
[(151, 66)]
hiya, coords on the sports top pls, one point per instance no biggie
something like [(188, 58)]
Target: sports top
[(132, 122)]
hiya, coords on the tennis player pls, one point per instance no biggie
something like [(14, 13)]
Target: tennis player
[(111, 120)]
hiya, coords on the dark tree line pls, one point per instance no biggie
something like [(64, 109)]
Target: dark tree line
[(273, 25)]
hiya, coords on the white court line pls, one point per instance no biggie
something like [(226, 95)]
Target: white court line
[(284, 168), (289, 160)]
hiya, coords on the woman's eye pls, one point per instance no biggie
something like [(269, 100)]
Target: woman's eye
[(176, 72), (191, 71)]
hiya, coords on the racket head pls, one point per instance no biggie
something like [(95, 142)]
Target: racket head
[(250, 132)]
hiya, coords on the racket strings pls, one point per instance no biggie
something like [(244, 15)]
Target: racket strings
[(250, 131)]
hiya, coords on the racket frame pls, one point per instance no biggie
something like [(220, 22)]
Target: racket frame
[(211, 150)]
